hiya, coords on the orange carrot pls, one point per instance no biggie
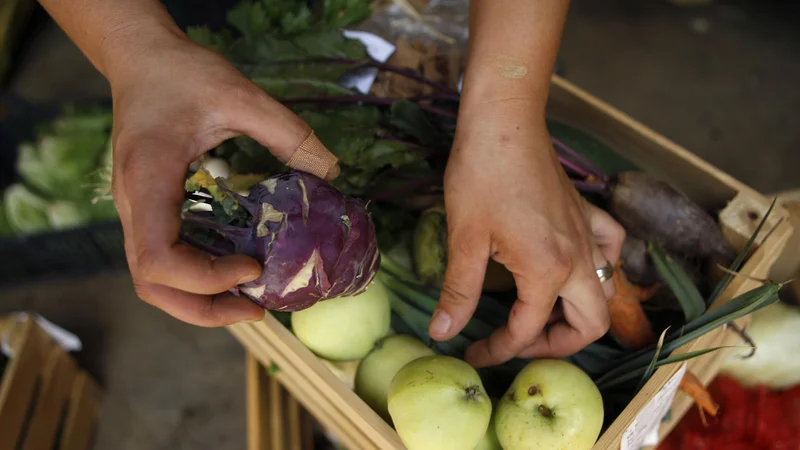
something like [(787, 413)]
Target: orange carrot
[(629, 324), (695, 389)]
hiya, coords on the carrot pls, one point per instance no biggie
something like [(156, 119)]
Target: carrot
[(692, 387), (630, 327)]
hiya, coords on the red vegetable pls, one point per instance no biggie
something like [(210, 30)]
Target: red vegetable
[(748, 419)]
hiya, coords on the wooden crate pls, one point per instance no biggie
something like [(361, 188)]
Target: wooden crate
[(45, 399), (337, 407)]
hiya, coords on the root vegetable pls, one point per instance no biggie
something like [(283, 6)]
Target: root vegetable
[(651, 209), (376, 370), (630, 327), (345, 328), (439, 402), (314, 243), (551, 405)]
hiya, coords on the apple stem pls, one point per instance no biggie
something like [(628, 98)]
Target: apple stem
[(545, 411)]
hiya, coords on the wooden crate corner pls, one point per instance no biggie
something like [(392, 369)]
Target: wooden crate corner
[(45, 398)]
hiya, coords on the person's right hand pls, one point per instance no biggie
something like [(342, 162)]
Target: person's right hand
[(172, 103)]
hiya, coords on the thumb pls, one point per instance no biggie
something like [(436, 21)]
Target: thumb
[(284, 133), (461, 290)]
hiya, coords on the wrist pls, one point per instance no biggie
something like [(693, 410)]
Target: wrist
[(135, 46)]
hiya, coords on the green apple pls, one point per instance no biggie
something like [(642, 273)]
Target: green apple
[(438, 402), (376, 370), (489, 440), (345, 328), (551, 405)]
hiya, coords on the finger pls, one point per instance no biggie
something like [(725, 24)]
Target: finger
[(286, 135), (202, 310), (527, 319), (461, 289), (608, 233), (153, 183), (586, 317)]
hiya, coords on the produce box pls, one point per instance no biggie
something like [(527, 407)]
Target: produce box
[(323, 387), (46, 400)]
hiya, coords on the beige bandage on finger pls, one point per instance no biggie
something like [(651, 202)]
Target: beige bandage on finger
[(312, 157)]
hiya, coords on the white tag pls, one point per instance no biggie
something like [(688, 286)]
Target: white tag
[(67, 340), (641, 432), (378, 49)]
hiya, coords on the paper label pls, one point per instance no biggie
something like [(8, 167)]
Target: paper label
[(644, 429), (378, 49)]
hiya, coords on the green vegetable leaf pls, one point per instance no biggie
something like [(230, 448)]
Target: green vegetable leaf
[(733, 309), (26, 211), (273, 369), (411, 120), (650, 368), (603, 156), (616, 381), (680, 283)]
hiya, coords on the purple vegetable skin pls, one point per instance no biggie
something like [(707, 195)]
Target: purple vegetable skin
[(313, 242)]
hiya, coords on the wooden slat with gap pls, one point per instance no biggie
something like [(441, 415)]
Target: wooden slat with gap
[(295, 424), (56, 389), (257, 398), (20, 380), (276, 410), (307, 395), (82, 415)]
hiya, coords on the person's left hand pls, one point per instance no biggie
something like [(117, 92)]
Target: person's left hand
[(507, 197)]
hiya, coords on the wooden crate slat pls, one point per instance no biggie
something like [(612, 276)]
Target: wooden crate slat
[(20, 381), (338, 394), (257, 400), (308, 395), (57, 384), (82, 415), (295, 423), (276, 410)]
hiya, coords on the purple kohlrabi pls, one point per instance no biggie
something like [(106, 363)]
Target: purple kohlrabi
[(313, 242)]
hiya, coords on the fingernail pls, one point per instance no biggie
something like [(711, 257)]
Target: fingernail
[(440, 323)]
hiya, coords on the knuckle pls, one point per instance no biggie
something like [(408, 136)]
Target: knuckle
[(599, 327), (454, 294), (142, 291), (561, 263), (147, 264)]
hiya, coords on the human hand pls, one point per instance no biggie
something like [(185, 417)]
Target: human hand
[(508, 198), (173, 102)]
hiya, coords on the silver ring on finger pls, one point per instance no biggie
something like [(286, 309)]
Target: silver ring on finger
[(605, 273)]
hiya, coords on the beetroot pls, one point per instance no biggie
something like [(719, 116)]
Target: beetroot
[(314, 243), (651, 209)]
